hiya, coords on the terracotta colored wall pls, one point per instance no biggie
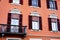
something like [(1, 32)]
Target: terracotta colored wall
[(5, 7)]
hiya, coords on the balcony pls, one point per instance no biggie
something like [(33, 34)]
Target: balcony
[(6, 29)]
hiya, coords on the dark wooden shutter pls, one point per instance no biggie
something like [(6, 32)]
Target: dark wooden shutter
[(30, 22), (49, 23), (58, 24), (56, 5), (39, 3), (10, 1), (47, 1), (9, 19), (30, 2), (20, 23), (40, 23), (9, 22), (20, 20), (21, 2)]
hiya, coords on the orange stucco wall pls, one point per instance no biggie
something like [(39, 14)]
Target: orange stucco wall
[(5, 7)]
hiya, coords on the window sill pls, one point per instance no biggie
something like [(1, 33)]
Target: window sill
[(35, 30), (34, 6), (15, 4), (52, 9), (54, 31)]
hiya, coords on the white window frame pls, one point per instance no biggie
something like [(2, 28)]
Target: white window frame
[(35, 3), (35, 26), (54, 26), (13, 38), (35, 39)]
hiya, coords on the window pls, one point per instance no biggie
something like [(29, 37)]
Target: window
[(34, 3), (16, 1), (13, 39), (53, 23), (51, 4), (35, 21)]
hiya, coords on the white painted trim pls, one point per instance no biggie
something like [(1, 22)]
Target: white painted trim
[(53, 16), (34, 14), (13, 38), (15, 11)]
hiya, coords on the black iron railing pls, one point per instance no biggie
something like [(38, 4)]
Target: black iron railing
[(12, 29)]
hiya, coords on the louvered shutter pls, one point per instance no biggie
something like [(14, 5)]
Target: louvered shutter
[(58, 24), (49, 23), (10, 1), (40, 23), (21, 2), (30, 2), (30, 22), (48, 6), (39, 3), (56, 5)]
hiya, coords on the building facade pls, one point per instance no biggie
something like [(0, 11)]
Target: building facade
[(29, 20)]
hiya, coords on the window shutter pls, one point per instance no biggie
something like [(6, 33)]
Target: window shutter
[(9, 18), (20, 23), (20, 20), (30, 22), (9, 22), (21, 2), (58, 24), (49, 23), (10, 1), (40, 23), (56, 5), (39, 3), (30, 2), (48, 6)]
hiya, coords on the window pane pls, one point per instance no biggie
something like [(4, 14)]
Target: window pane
[(14, 29), (34, 2), (54, 26), (35, 25), (16, 1), (14, 22)]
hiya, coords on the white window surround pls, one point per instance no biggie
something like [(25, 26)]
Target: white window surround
[(35, 39), (53, 16), (14, 38), (34, 14), (15, 11)]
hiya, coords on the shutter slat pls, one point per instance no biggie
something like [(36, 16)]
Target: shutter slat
[(56, 5), (48, 6), (10, 1), (39, 3), (49, 23), (30, 22), (58, 24), (30, 2), (21, 2), (40, 23)]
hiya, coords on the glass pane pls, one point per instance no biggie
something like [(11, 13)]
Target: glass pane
[(14, 22), (54, 26), (34, 2), (14, 29), (35, 25), (16, 1)]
